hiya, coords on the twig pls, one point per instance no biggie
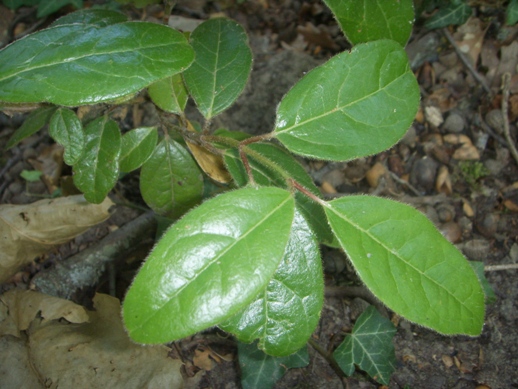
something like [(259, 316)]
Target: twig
[(329, 358), (506, 84), (412, 188), (490, 131), (510, 266), (466, 61)]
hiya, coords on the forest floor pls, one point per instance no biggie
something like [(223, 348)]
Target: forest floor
[(455, 165)]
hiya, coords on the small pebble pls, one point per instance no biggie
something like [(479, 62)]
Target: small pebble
[(423, 174), (451, 231), (445, 212), (476, 249), (454, 123), (487, 224)]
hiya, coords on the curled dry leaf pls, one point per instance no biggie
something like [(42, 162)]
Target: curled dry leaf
[(27, 231), (443, 181), (374, 174), (93, 354), (466, 151)]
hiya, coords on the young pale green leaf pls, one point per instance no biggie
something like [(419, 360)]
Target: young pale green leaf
[(511, 13), (406, 262), (48, 7), (357, 104), (32, 124), (170, 180), (136, 147), (209, 265), (222, 65), (285, 314), (77, 64), (96, 172), (66, 129), (169, 94), (370, 20), (266, 155), (455, 12), (262, 371), (369, 346), (95, 17)]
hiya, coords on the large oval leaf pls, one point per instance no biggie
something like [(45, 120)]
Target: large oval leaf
[(97, 17), (170, 181), (406, 262), (357, 104), (285, 314), (209, 265), (96, 172), (222, 65), (370, 20), (77, 64)]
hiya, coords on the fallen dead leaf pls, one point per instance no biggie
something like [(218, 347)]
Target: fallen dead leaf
[(203, 360), (447, 360), (466, 151), (443, 181), (469, 38), (93, 354), (374, 174), (468, 210), (30, 230)]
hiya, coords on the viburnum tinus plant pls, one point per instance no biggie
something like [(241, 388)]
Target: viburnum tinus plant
[(247, 259)]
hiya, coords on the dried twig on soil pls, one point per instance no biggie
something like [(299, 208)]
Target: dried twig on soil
[(84, 269), (506, 84), (510, 266), (466, 61)]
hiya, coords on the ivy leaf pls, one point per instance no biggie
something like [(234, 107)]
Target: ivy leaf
[(455, 12), (169, 94), (370, 20), (222, 65), (285, 314), (170, 181), (406, 262), (262, 371), (511, 13), (66, 129), (32, 124), (137, 146), (369, 346), (209, 265), (48, 7), (77, 64), (266, 155), (94, 17), (96, 172), (357, 104)]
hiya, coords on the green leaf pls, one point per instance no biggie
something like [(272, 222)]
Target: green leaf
[(31, 175), (262, 371), (50, 6), (209, 265), (137, 146), (169, 94), (406, 262), (285, 314), (369, 346), (77, 64), (31, 125), (455, 12), (267, 155), (357, 104), (96, 172), (222, 65), (489, 293), (170, 180), (94, 17), (138, 3), (66, 129), (511, 13), (370, 20), (14, 4)]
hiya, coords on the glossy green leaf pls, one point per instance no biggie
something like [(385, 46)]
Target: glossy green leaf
[(370, 20), (209, 265), (262, 371), (222, 65), (369, 346), (406, 262), (66, 129), (170, 180), (138, 3), (96, 172), (94, 17), (31, 125), (77, 64), (357, 104), (285, 314), (266, 155), (137, 146), (48, 7), (169, 94), (455, 12), (478, 267), (511, 13)]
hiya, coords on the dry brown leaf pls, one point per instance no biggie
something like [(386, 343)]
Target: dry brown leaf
[(469, 38), (94, 354), (443, 181), (210, 163), (203, 360), (27, 231), (467, 151)]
